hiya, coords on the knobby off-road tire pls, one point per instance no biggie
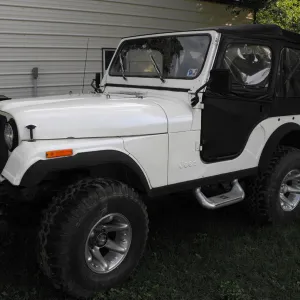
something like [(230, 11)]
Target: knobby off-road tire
[(263, 196), (66, 227)]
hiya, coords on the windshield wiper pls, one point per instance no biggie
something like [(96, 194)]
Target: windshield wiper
[(122, 67), (157, 68)]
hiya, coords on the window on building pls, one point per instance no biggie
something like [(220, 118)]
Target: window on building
[(250, 65), (289, 73), (107, 55)]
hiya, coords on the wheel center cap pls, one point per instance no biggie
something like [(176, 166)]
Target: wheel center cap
[(101, 239)]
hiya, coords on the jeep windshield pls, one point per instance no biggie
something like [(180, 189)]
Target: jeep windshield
[(164, 57)]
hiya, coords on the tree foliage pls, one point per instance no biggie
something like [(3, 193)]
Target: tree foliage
[(253, 5), (285, 13), (237, 6)]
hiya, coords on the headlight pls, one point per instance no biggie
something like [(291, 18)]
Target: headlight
[(11, 135)]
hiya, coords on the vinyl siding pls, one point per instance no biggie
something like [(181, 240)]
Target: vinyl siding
[(52, 35)]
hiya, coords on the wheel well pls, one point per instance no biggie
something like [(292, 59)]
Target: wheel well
[(286, 135), (107, 163), (291, 139), (117, 171)]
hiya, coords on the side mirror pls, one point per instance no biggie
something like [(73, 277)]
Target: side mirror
[(220, 81), (96, 83)]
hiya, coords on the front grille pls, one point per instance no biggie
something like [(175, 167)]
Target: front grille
[(3, 147)]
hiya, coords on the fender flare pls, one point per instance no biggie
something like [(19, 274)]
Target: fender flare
[(274, 141), (39, 170)]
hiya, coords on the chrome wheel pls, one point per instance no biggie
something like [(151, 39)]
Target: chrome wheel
[(290, 191), (108, 243)]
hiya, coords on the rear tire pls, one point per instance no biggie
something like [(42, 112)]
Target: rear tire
[(265, 193), (67, 233)]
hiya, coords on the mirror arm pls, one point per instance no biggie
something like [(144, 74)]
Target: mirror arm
[(97, 90), (196, 99)]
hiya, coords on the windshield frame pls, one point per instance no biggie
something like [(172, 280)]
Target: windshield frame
[(120, 48)]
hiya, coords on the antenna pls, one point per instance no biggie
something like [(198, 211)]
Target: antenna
[(86, 54)]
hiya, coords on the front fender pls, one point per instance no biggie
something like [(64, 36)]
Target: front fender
[(27, 166)]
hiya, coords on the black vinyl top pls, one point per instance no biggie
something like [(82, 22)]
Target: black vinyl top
[(267, 31), (272, 31)]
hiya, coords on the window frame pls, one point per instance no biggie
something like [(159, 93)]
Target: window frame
[(280, 76), (104, 50), (228, 40), (249, 86), (156, 76)]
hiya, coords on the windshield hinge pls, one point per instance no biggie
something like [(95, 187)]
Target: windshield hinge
[(216, 41), (198, 147), (195, 99)]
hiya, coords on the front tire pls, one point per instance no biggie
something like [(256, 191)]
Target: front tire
[(274, 196), (92, 236)]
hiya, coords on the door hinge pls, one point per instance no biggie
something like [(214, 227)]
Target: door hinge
[(198, 147)]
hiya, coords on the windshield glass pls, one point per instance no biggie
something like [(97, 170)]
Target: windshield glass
[(177, 57)]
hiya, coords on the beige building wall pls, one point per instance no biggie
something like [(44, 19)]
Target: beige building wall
[(52, 35)]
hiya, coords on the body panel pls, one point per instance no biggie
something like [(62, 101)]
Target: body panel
[(86, 117), (227, 124), (151, 152), (186, 165)]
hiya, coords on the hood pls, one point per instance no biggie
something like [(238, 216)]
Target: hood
[(85, 116)]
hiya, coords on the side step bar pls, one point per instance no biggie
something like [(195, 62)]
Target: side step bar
[(236, 195)]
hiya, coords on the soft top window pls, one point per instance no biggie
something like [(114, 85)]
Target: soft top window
[(179, 57), (250, 65), (290, 73)]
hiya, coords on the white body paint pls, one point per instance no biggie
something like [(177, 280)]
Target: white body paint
[(160, 131)]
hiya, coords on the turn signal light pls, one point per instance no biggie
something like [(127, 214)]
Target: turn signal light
[(59, 153)]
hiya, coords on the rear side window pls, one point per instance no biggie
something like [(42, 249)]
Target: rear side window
[(250, 65), (289, 73)]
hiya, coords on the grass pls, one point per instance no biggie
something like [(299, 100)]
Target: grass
[(192, 254)]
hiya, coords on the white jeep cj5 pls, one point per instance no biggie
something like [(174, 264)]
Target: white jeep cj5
[(175, 111)]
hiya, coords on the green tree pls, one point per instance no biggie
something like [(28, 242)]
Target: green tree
[(253, 5), (237, 6), (285, 13)]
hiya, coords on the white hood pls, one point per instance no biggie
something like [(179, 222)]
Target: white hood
[(85, 116)]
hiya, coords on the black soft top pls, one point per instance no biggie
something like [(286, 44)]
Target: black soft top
[(268, 31)]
